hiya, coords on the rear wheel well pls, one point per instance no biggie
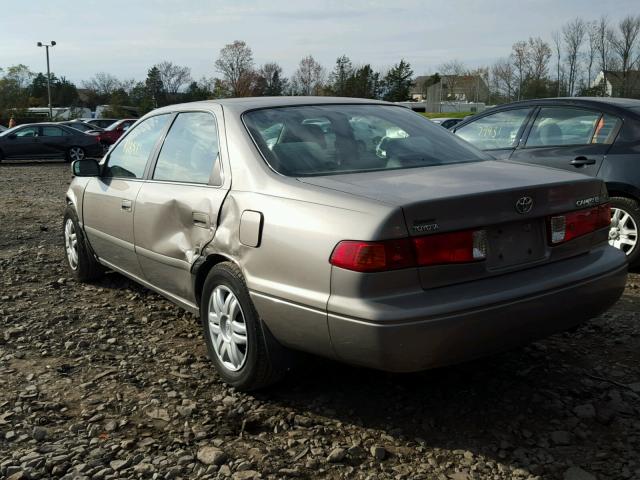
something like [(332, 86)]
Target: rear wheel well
[(203, 271), (621, 193)]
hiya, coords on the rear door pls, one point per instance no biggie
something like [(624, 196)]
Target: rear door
[(567, 137), (54, 140), (109, 200), (177, 208), (497, 133)]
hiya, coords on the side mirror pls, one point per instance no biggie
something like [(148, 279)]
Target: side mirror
[(13, 136), (85, 168)]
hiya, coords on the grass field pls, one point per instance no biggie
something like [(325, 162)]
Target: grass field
[(446, 114)]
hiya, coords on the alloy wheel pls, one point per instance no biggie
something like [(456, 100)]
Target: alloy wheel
[(623, 233), (227, 328), (71, 243), (76, 153)]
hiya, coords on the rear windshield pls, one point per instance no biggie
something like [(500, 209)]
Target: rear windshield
[(329, 139)]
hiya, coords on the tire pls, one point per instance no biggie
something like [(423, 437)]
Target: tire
[(261, 361), (75, 153), (80, 261), (625, 223), (1, 156)]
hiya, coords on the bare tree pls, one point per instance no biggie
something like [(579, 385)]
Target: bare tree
[(309, 77), (236, 65), (603, 46), (102, 83), (173, 76), (503, 78), (452, 70), (539, 56), (624, 45), (573, 34), (592, 51), (271, 80), (127, 84), (557, 43), (520, 60)]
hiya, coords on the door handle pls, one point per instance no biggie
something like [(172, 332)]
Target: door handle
[(582, 161), (201, 219), (126, 205)]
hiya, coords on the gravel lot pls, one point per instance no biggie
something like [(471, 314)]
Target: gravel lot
[(110, 381)]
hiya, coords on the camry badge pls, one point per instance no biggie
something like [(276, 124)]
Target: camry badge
[(524, 204)]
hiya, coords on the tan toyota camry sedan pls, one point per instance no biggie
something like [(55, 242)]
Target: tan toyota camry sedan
[(348, 228)]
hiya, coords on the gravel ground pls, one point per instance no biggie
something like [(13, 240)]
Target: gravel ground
[(109, 380)]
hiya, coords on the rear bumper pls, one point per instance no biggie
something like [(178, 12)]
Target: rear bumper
[(453, 324)]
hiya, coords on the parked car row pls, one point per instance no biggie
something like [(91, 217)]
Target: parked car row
[(348, 228), (48, 140), (72, 140)]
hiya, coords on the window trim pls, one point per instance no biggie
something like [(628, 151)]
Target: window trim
[(520, 134), (105, 162), (156, 154), (599, 113)]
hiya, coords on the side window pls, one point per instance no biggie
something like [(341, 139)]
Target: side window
[(52, 132), (27, 132), (129, 158), (557, 126), (189, 150), (498, 130), (606, 129)]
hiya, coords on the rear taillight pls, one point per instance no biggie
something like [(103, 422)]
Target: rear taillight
[(456, 247), (443, 248), (562, 228), (373, 256)]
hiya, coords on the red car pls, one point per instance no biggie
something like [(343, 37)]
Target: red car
[(113, 132)]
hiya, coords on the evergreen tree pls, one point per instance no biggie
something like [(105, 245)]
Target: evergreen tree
[(339, 78), (397, 82)]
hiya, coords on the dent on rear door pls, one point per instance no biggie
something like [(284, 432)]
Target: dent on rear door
[(172, 224)]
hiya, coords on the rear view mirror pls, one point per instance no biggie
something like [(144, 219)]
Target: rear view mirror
[(85, 168)]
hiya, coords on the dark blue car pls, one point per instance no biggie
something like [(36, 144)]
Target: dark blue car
[(48, 140), (599, 137)]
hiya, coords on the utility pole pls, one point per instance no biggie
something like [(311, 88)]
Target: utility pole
[(52, 44)]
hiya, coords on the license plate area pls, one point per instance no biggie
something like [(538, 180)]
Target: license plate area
[(516, 243)]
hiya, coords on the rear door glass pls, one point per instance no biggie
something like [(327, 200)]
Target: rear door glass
[(563, 126), (189, 150)]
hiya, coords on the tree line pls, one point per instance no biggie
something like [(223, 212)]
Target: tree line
[(534, 68)]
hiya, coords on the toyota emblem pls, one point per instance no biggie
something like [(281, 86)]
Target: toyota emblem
[(524, 204)]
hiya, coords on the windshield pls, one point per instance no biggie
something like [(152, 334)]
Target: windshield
[(329, 139), (9, 131)]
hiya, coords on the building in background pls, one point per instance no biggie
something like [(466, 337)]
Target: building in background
[(612, 83)]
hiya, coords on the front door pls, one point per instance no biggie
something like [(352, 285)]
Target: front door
[(569, 138), (23, 143), (110, 200), (177, 208), (497, 133)]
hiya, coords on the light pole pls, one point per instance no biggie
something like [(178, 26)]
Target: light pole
[(52, 44)]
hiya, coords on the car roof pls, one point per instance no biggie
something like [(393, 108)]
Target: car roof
[(612, 101), (243, 104)]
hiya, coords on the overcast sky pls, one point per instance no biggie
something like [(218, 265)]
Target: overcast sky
[(126, 37)]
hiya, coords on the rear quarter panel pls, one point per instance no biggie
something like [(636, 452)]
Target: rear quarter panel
[(288, 274), (621, 168)]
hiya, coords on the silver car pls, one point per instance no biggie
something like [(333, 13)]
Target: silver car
[(353, 229)]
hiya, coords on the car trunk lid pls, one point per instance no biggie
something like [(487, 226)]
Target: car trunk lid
[(510, 201)]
